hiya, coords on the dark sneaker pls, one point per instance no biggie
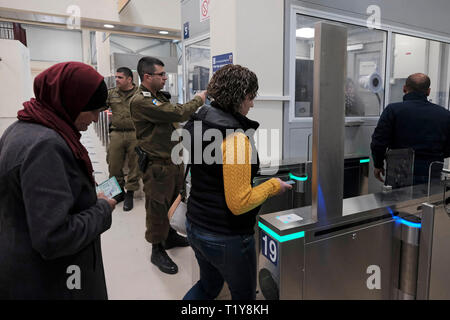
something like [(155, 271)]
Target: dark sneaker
[(128, 203), (160, 259), (175, 240)]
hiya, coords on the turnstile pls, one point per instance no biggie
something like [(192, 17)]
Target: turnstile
[(356, 182), (390, 245)]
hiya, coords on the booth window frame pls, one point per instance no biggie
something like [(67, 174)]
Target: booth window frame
[(333, 17), (187, 43)]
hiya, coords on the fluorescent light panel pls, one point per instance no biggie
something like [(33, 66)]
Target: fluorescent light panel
[(306, 33)]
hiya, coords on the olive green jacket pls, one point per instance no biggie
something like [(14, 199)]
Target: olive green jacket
[(119, 102), (155, 118)]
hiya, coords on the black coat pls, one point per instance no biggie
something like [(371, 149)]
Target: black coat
[(50, 219), (414, 123)]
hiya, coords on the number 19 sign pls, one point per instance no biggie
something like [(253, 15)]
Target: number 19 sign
[(269, 247)]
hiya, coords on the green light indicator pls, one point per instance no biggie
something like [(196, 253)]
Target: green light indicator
[(279, 238), (364, 160), (304, 178)]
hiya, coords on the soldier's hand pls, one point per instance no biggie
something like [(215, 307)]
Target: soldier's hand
[(111, 202), (202, 95)]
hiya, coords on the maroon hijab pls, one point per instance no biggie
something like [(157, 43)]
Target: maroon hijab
[(62, 91)]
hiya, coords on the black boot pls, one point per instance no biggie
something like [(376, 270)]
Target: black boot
[(162, 260), (128, 203), (175, 240)]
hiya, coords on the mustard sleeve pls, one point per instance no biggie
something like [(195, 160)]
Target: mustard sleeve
[(239, 194)]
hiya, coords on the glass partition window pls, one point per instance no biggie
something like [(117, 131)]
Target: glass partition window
[(417, 55), (366, 51), (198, 64)]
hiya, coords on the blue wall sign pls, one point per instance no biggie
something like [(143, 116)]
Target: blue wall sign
[(186, 30), (221, 60)]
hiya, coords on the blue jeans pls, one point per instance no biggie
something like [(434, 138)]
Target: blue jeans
[(230, 258)]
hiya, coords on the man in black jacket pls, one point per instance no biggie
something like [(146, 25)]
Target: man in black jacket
[(414, 123)]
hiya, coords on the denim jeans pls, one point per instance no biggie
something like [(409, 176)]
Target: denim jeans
[(230, 258)]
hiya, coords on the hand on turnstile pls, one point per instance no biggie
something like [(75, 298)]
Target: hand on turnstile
[(284, 186)]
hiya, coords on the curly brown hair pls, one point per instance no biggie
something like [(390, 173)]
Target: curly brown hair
[(230, 85)]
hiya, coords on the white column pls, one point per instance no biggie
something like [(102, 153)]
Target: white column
[(103, 53), (86, 44), (253, 31)]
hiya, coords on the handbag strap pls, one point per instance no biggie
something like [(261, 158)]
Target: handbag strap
[(183, 190), (188, 167)]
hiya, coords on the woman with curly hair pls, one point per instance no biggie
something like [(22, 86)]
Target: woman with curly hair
[(223, 203)]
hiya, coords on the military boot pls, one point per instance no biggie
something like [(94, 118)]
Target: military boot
[(160, 259), (128, 203), (175, 240)]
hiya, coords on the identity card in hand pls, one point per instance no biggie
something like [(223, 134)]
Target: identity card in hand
[(109, 187)]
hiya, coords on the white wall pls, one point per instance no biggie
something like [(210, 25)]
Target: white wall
[(260, 42), (223, 24), (254, 33), (15, 77), (50, 44), (409, 53), (165, 14), (154, 13), (98, 9)]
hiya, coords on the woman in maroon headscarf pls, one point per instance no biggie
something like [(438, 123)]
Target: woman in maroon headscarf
[(50, 215)]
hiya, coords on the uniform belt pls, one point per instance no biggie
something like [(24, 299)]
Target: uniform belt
[(122, 130), (160, 161)]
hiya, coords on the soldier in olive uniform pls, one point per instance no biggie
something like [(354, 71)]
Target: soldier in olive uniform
[(123, 136), (155, 118)]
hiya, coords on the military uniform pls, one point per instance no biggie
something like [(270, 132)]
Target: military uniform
[(155, 118), (122, 139)]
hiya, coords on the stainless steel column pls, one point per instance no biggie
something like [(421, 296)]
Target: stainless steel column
[(434, 259), (103, 121), (409, 260), (330, 61), (425, 251), (108, 120)]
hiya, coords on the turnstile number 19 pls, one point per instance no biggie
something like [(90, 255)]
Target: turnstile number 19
[(269, 248)]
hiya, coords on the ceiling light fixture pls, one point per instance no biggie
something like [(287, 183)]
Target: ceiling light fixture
[(109, 26), (307, 33), (164, 32)]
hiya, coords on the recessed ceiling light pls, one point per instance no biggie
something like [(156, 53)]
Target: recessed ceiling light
[(164, 32), (307, 33), (109, 26)]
